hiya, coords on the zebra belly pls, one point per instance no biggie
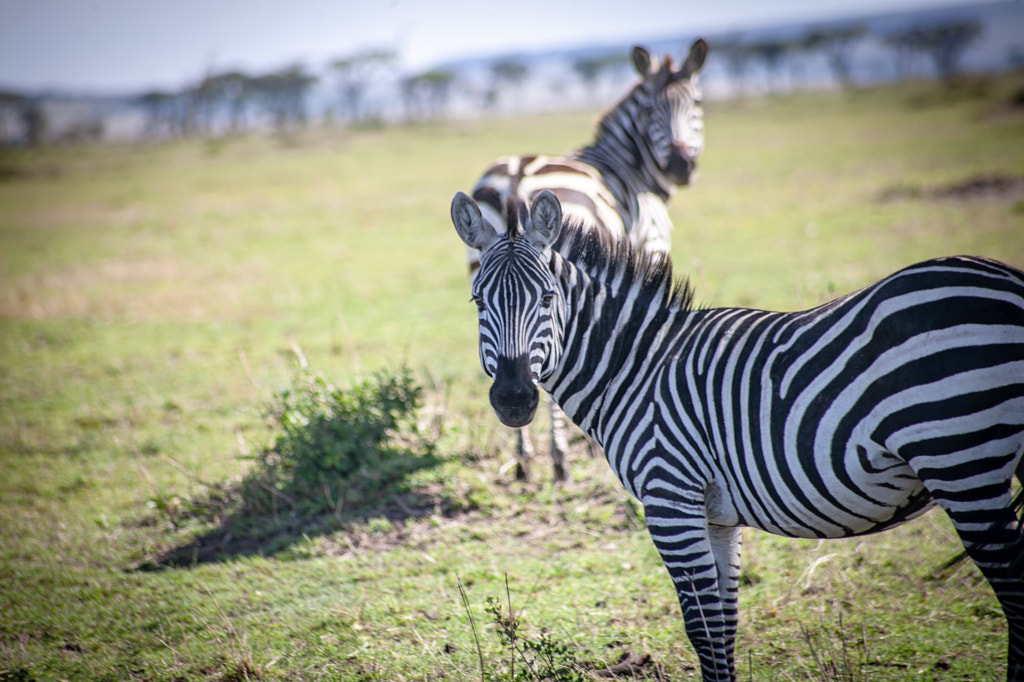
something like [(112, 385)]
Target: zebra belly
[(880, 491), (872, 491)]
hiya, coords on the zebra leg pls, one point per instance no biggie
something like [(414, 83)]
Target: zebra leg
[(559, 442), (725, 545), (991, 534), (524, 451), (681, 534)]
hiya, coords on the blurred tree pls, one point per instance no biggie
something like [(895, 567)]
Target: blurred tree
[(943, 42), (226, 93), (282, 95), (427, 94), (736, 55), (33, 121), (771, 52), (10, 108), (508, 74), (355, 73), (409, 90), (591, 69), (900, 44), (161, 112), (837, 44)]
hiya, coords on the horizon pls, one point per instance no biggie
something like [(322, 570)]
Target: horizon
[(169, 48)]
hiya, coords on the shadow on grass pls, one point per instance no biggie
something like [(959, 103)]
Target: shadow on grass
[(341, 458), (241, 529)]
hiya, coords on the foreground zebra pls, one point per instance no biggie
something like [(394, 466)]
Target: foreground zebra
[(645, 146), (843, 420)]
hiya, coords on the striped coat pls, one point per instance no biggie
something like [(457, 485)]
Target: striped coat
[(846, 419)]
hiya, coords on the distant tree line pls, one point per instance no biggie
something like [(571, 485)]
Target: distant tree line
[(942, 42), (232, 101)]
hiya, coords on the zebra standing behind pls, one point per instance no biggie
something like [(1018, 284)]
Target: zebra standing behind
[(843, 420), (645, 146)]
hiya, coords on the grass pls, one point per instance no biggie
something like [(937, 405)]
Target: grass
[(151, 300)]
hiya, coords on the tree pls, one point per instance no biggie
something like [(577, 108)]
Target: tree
[(228, 91), (837, 44), (282, 95), (355, 73), (33, 121), (161, 112), (427, 94), (509, 73), (736, 55), (770, 52), (10, 105), (943, 42), (592, 69)]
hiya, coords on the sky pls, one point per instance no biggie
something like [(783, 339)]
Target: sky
[(118, 46)]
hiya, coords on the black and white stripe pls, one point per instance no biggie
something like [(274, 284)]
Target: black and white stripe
[(645, 146), (842, 420)]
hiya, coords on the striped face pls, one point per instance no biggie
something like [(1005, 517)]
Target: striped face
[(669, 110), (520, 306)]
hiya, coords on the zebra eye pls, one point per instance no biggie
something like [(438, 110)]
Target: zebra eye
[(479, 303), (545, 300)]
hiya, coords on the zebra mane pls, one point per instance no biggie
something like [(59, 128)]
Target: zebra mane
[(607, 259), (515, 212)]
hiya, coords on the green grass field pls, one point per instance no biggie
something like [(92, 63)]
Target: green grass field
[(154, 298)]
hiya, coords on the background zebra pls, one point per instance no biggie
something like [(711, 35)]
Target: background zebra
[(842, 420), (645, 146)]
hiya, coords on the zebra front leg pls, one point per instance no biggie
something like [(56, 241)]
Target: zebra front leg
[(725, 546), (689, 548)]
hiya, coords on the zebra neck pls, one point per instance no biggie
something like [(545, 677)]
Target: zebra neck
[(623, 156), (608, 335)]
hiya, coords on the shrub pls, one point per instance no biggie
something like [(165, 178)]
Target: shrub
[(335, 447)]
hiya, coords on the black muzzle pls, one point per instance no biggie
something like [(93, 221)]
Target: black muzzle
[(514, 395), (680, 166)]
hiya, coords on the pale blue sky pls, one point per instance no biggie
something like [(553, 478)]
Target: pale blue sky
[(118, 45)]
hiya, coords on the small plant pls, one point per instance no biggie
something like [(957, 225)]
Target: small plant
[(834, 661), (339, 447), (541, 659), (529, 660)]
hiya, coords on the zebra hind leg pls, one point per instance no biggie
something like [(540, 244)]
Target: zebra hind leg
[(559, 443), (524, 452), (993, 539)]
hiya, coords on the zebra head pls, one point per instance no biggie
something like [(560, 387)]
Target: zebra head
[(520, 305), (669, 110)]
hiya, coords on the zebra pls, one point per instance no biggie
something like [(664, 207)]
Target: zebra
[(846, 419), (645, 146)]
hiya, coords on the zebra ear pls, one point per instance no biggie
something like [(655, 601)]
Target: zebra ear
[(545, 220), (642, 62), (695, 60), (470, 224)]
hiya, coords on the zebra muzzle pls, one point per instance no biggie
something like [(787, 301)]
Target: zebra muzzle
[(681, 165), (514, 395)]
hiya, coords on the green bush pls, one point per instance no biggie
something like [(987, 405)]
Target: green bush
[(337, 448)]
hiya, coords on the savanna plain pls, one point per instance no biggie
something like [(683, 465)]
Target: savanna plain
[(155, 301)]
